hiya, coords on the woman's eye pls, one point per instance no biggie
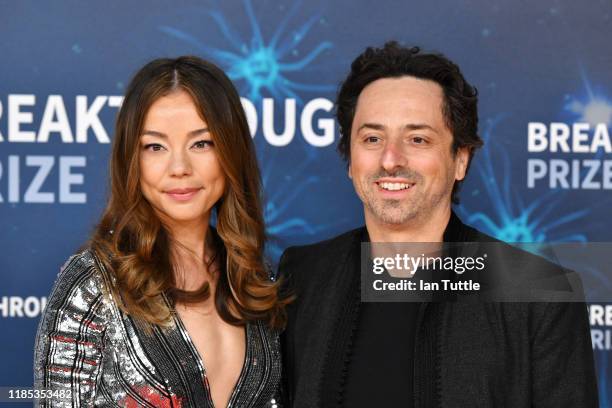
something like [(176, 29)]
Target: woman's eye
[(203, 144), (154, 147)]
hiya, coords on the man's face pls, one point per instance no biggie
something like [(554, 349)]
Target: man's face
[(402, 164)]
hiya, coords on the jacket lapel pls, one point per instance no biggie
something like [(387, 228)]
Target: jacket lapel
[(312, 339), (339, 345)]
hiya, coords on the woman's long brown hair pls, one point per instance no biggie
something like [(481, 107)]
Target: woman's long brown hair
[(132, 242)]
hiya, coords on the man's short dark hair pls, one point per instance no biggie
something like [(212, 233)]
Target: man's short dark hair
[(460, 107)]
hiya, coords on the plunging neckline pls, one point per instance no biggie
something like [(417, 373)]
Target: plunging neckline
[(200, 360)]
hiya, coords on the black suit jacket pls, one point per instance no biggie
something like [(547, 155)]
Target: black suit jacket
[(466, 354)]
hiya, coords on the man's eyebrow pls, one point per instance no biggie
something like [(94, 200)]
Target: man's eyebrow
[(155, 133), (419, 126), (373, 126), (409, 126)]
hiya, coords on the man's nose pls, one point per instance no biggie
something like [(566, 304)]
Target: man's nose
[(393, 156)]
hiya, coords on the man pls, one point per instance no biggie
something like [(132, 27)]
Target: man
[(408, 123)]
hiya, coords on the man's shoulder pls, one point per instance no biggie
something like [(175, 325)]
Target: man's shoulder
[(514, 252), (318, 261), (463, 232), (325, 249), (531, 264), (310, 270)]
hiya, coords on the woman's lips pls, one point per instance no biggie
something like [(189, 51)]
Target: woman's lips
[(182, 194)]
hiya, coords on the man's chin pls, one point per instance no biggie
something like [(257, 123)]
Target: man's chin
[(395, 218)]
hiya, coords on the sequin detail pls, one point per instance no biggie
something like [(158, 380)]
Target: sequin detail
[(86, 344)]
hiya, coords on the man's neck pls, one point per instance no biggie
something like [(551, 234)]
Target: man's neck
[(430, 229)]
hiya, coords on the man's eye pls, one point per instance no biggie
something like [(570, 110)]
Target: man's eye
[(372, 139), (154, 147), (418, 140), (203, 144)]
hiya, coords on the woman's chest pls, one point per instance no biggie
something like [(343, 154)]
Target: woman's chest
[(163, 367)]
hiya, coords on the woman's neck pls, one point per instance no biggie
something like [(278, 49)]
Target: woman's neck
[(192, 251)]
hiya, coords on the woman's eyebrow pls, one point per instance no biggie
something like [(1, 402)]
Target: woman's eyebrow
[(155, 133)]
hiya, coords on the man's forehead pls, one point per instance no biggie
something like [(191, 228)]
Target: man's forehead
[(407, 82), (407, 100), (402, 87)]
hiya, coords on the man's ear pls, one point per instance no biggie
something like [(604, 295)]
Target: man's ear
[(350, 174), (462, 158)]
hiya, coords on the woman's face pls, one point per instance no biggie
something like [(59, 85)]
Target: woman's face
[(180, 174)]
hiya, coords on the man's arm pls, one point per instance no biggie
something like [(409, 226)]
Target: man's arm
[(563, 371)]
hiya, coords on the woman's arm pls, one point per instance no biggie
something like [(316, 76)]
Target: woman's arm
[(69, 342)]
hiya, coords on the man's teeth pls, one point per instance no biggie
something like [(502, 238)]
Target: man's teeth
[(394, 186)]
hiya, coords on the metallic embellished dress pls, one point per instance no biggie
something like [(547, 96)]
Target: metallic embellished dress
[(89, 348)]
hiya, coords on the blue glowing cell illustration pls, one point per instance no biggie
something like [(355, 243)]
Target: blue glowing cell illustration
[(281, 227), (256, 65), (262, 66), (545, 218), (511, 219), (593, 108)]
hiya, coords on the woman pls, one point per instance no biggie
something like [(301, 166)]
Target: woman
[(162, 310)]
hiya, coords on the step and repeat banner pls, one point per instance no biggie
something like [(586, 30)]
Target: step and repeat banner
[(543, 70)]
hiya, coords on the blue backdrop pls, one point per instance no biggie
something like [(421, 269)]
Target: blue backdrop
[(543, 70)]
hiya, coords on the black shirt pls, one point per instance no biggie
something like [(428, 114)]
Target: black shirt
[(381, 368)]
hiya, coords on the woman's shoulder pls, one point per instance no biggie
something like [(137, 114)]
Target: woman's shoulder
[(79, 263), (268, 334), (82, 276), (71, 331)]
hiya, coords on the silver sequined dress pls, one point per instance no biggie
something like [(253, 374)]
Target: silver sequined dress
[(87, 345)]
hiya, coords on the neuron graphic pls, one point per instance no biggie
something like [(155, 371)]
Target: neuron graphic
[(282, 228), (263, 68), (258, 65), (593, 108), (512, 219), (287, 194)]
